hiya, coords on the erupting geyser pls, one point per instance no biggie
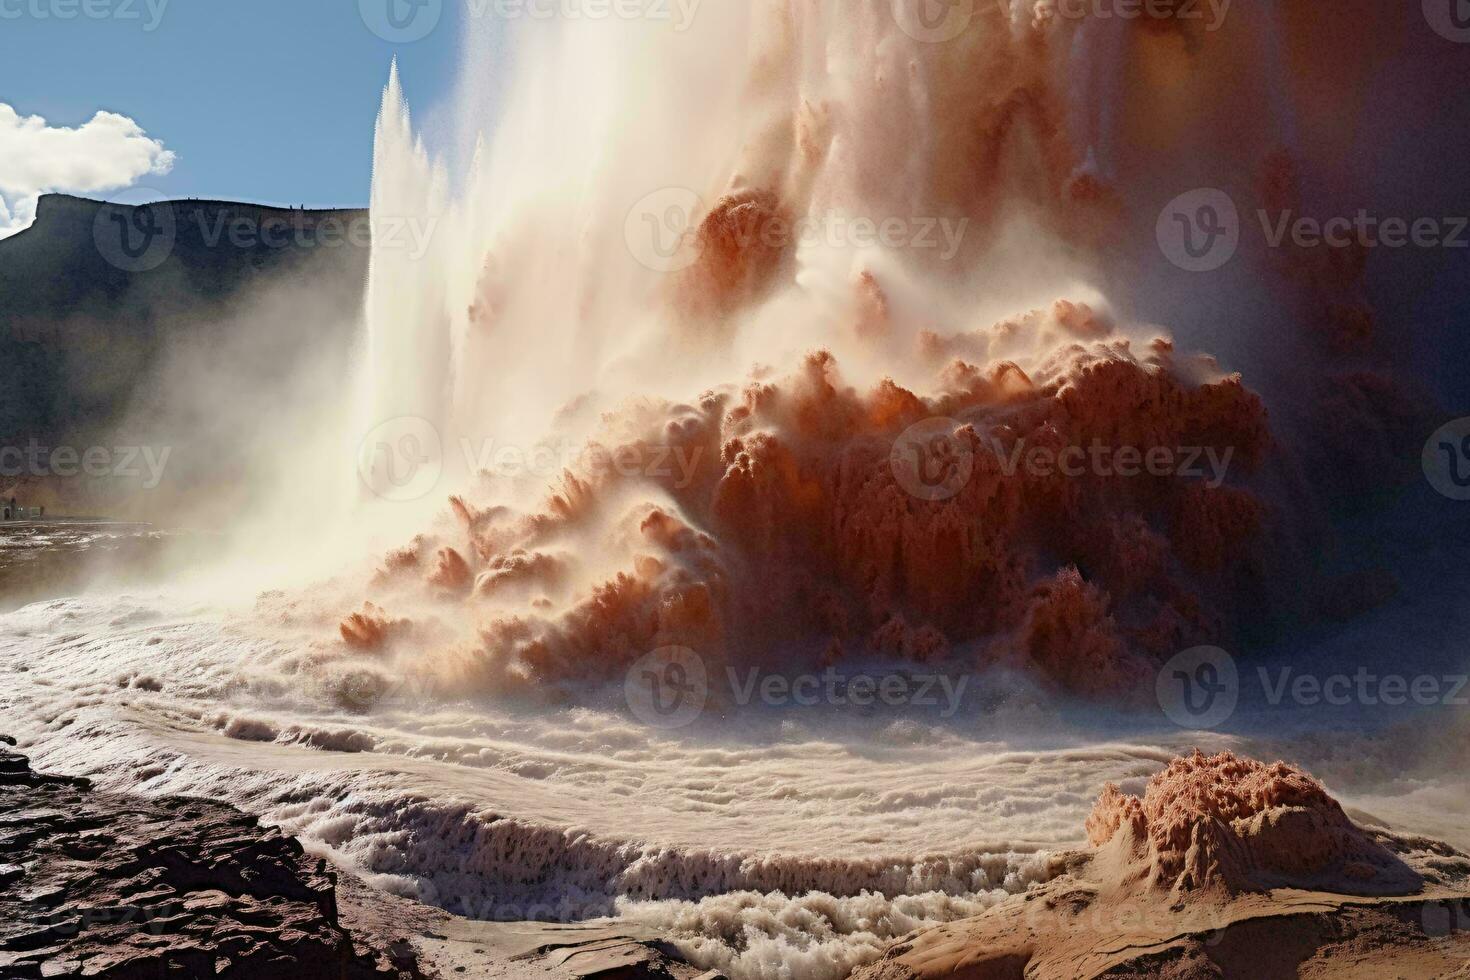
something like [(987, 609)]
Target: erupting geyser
[(793, 530), (785, 529)]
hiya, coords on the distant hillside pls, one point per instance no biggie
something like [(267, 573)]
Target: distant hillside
[(82, 316), (100, 303)]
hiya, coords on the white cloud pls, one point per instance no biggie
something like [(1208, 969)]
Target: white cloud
[(103, 154)]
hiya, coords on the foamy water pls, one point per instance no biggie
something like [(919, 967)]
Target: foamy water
[(789, 847), (776, 843)]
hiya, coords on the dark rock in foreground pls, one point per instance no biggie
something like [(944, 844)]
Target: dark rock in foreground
[(101, 885)]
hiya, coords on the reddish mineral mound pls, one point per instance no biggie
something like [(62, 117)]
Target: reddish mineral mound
[(800, 515), (1235, 825), (1225, 868)]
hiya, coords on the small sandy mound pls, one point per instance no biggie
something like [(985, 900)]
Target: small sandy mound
[(1225, 867), (1229, 824)]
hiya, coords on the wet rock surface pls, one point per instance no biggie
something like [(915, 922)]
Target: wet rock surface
[(119, 887)]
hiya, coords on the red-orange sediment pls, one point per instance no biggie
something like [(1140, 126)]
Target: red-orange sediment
[(792, 529), (1227, 823)]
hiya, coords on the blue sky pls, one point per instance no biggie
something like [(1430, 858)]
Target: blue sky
[(260, 100)]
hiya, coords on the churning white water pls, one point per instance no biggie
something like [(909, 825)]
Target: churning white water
[(795, 843), (785, 843)]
